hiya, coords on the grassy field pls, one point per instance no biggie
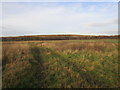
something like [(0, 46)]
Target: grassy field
[(60, 64)]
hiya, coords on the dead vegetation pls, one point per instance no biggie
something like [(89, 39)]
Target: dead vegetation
[(57, 37)]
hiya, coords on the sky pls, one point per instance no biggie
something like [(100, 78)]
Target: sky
[(45, 18)]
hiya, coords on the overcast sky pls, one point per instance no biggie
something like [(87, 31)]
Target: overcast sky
[(20, 18)]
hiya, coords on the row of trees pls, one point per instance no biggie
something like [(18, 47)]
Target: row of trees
[(26, 38)]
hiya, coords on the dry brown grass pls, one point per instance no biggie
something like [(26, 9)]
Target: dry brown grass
[(93, 46), (13, 52)]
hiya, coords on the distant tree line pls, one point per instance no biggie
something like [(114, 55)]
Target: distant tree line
[(57, 37)]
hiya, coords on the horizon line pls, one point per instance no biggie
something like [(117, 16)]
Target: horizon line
[(60, 34)]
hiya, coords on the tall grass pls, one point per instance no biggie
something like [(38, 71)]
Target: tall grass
[(62, 64)]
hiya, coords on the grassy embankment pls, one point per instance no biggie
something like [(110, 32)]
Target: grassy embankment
[(65, 64)]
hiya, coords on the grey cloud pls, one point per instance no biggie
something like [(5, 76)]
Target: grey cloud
[(104, 23), (49, 20)]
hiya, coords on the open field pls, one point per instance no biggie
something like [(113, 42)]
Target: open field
[(60, 64)]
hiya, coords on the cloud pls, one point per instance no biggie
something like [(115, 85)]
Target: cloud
[(60, 0), (51, 18), (105, 23)]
